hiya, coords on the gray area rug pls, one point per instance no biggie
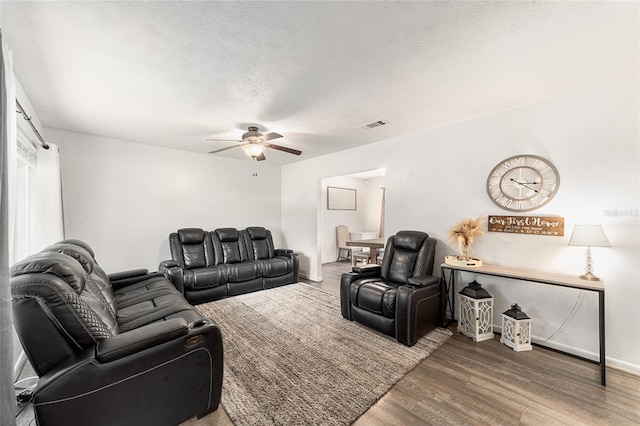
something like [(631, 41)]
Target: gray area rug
[(291, 359)]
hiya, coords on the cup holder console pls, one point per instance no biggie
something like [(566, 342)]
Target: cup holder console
[(199, 323)]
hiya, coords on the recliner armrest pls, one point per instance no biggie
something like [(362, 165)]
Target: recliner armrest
[(367, 269), (283, 252), (424, 280), (137, 340)]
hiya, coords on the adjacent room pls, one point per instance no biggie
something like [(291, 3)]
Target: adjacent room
[(320, 213)]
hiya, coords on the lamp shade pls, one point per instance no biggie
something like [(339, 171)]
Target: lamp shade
[(588, 236)]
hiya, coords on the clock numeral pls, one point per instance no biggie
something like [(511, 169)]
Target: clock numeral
[(519, 204), (496, 174), (506, 202), (507, 165), (533, 201), (519, 161), (545, 170)]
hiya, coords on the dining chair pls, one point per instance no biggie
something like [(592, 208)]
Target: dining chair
[(342, 236)]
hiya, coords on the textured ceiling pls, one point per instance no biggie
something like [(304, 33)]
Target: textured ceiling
[(176, 73)]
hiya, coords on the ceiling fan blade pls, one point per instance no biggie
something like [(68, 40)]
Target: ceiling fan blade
[(223, 140), (261, 157), (224, 149), (272, 135), (283, 148)]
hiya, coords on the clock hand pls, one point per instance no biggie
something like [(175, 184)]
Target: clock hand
[(525, 184)]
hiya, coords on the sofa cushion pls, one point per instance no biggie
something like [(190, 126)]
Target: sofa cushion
[(56, 264), (59, 282), (77, 252), (227, 234), (212, 276), (191, 235), (259, 243), (148, 301), (243, 271), (276, 267), (228, 246)]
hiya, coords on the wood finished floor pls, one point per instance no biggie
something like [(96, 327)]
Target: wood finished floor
[(468, 383)]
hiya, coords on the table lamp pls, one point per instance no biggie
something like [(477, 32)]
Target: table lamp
[(588, 236)]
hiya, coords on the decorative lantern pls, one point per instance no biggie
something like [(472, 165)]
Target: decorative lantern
[(516, 329), (476, 312)]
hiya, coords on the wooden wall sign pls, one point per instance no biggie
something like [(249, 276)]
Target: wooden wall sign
[(535, 225)]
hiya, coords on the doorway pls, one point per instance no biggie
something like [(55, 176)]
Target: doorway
[(366, 219)]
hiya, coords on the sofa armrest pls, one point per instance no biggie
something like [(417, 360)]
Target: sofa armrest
[(134, 341), (185, 373), (424, 280), (123, 280), (117, 276), (169, 264), (283, 252), (174, 273), (294, 257)]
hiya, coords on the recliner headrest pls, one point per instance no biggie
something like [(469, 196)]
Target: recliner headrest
[(79, 243), (410, 240), (227, 234), (191, 235), (62, 266), (77, 252), (257, 232)]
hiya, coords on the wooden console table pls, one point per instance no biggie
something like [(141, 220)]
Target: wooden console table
[(531, 276)]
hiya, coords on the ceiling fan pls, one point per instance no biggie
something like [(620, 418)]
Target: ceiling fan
[(253, 143)]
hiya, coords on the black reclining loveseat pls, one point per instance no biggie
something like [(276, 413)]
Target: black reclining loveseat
[(119, 349), (211, 265)]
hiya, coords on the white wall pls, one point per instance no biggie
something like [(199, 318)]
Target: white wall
[(365, 218), (125, 198), (437, 177)]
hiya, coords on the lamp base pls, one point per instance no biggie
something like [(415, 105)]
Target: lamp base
[(589, 277)]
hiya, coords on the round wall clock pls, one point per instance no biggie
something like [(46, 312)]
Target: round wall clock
[(523, 183)]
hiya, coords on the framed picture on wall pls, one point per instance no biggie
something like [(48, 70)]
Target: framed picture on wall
[(341, 198)]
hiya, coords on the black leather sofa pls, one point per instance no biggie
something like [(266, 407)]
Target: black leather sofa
[(119, 349), (211, 265)]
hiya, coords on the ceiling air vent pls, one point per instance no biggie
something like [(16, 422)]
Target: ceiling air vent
[(374, 124)]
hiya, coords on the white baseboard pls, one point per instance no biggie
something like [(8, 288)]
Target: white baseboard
[(610, 362), (315, 279)]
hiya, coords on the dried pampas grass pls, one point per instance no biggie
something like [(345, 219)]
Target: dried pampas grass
[(462, 235)]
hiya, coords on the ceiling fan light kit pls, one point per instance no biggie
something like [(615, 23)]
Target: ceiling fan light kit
[(253, 150), (254, 143)]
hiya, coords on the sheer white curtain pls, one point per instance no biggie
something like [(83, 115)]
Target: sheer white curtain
[(7, 167), (46, 205)]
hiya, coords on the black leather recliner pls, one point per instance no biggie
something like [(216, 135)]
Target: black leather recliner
[(399, 298), (119, 349)]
